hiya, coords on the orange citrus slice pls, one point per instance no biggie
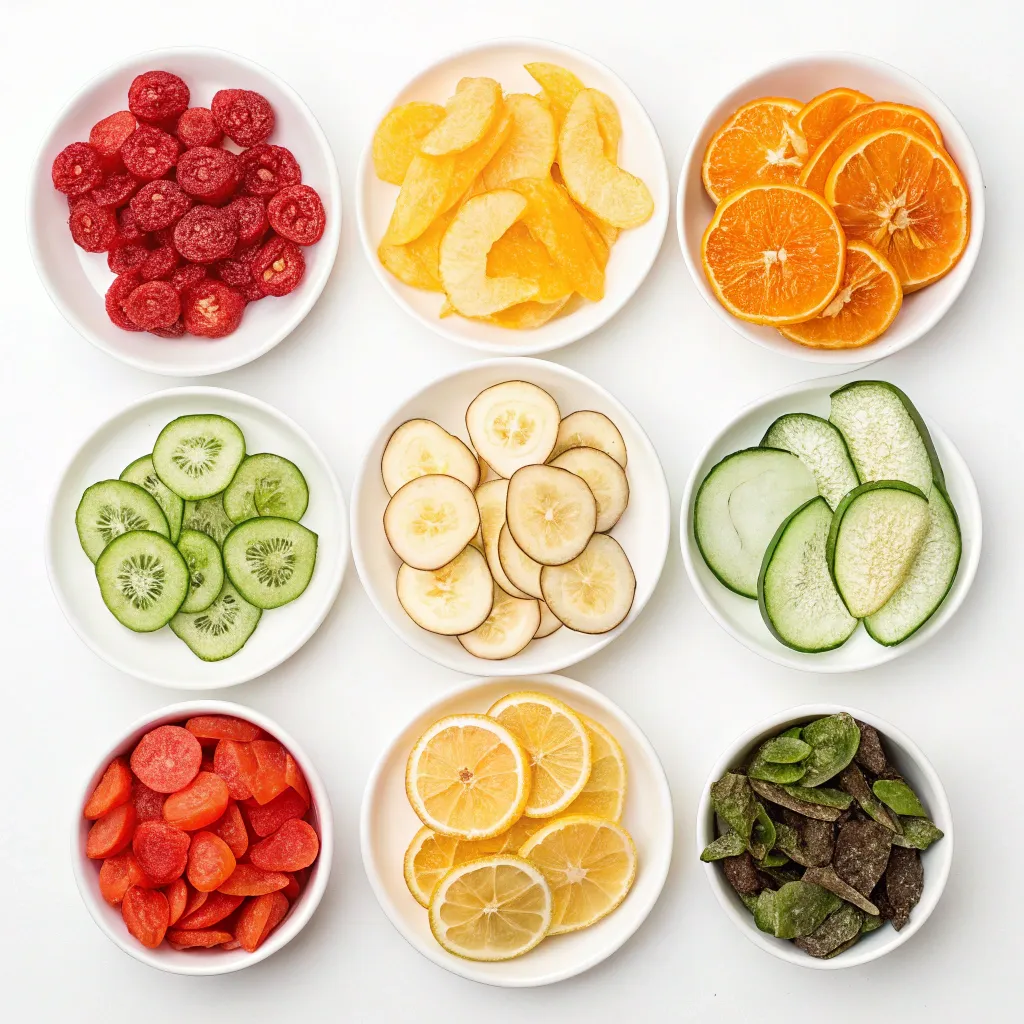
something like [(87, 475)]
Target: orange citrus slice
[(865, 305), (759, 142), (903, 195), (774, 254), (820, 116)]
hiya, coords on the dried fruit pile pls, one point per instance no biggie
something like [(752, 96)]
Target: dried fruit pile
[(822, 864), (520, 839), (828, 213), (193, 230), (203, 833), (509, 204)]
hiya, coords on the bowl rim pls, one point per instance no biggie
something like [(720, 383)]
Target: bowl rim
[(970, 167), (519, 368), (304, 907), (312, 288), (777, 652), (467, 968), (781, 948), (436, 325), (213, 393)]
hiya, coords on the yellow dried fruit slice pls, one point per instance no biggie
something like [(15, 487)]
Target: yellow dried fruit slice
[(404, 264), (561, 87), (424, 197), (472, 161), (528, 316), (518, 254), (398, 136), (467, 116), (604, 795), (529, 149)]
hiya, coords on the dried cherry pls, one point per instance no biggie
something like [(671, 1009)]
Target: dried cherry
[(116, 189), (76, 169), (251, 217), (267, 169), (93, 227), (159, 204), (108, 136), (149, 153), (118, 291), (206, 234), (211, 309), (208, 173), (244, 116), (296, 213), (198, 127), (157, 96), (153, 304), (278, 266)]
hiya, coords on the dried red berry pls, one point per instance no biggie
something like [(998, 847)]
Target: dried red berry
[(157, 96), (186, 275), (127, 258), (149, 153), (109, 135), (251, 216), (278, 266), (160, 263), (76, 169), (127, 230), (209, 174), (206, 234), (268, 169), (198, 127), (159, 204), (244, 116), (93, 227), (153, 304), (296, 213), (116, 189), (210, 309), (118, 291), (237, 271), (176, 330)]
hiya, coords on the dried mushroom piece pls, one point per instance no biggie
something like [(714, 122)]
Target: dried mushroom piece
[(742, 874), (827, 878), (870, 754)]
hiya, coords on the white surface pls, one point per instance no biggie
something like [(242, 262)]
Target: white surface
[(388, 823), (688, 685)]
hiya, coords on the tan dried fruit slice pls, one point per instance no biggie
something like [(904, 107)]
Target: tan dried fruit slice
[(454, 599), (551, 514), (549, 622), (423, 197), (469, 164), (467, 116), (490, 499), (398, 136), (513, 424), (561, 87), (589, 429), (429, 520), (606, 479), (427, 248), (424, 448), (506, 631), (403, 263), (529, 149), (594, 592), (518, 566)]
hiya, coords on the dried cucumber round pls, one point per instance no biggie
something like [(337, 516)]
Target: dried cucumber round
[(266, 485), (270, 560), (141, 472), (205, 569), (221, 630), (112, 508), (208, 516), (196, 456), (143, 579)]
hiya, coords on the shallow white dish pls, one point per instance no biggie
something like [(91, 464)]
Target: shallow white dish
[(803, 78), (740, 616), (633, 254), (207, 961), (388, 823), (161, 657), (937, 859), (643, 530), (77, 280)]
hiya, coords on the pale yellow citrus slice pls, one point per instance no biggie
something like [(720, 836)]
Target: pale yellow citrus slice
[(604, 795)]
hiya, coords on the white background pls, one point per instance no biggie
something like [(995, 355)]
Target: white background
[(680, 370)]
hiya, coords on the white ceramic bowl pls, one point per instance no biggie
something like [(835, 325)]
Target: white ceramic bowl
[(633, 254), (740, 616), (937, 859), (643, 530), (802, 78), (77, 280), (161, 657), (388, 823), (202, 961)]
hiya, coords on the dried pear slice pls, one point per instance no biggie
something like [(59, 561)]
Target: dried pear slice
[(589, 429), (423, 448), (511, 625), (549, 622), (604, 476), (430, 520), (517, 565), (551, 513), (594, 592), (454, 599), (513, 424), (490, 499)]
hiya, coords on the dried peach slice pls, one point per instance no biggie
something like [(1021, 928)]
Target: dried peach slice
[(472, 161), (529, 149), (518, 254), (819, 117), (398, 136), (561, 87), (468, 115), (406, 265), (424, 195), (527, 316)]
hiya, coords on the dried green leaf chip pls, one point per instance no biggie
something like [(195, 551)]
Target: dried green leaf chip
[(851, 780), (871, 923), (779, 795), (734, 800), (862, 853), (900, 797), (840, 928), (834, 740), (843, 948), (918, 833), (871, 754), (762, 837), (800, 907), (904, 883), (783, 750), (772, 859), (729, 845), (823, 795), (764, 911), (750, 902), (827, 878), (779, 773), (794, 732), (779, 876)]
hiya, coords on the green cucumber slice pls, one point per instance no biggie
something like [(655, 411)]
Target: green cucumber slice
[(208, 516), (740, 505), (143, 580), (930, 578), (141, 472), (205, 569), (876, 533), (885, 434), (196, 456), (266, 485), (820, 447), (222, 629), (113, 508), (798, 600), (270, 560)]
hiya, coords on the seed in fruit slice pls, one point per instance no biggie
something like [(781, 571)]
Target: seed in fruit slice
[(520, 568), (556, 742), (221, 630), (467, 776), (143, 580), (510, 626), (594, 592), (205, 569), (513, 424), (141, 472), (549, 622), (112, 508), (551, 513), (270, 560), (196, 456), (604, 795), (430, 520), (605, 478), (495, 908), (451, 600), (589, 429), (423, 448), (266, 485), (590, 865)]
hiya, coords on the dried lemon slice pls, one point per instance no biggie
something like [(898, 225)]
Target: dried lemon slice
[(604, 795)]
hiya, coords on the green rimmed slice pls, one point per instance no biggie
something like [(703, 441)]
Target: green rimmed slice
[(266, 485), (270, 560), (197, 456), (143, 580), (820, 446), (112, 508), (208, 516), (221, 630), (205, 569), (142, 473)]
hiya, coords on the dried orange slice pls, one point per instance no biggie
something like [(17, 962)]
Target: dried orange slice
[(759, 142), (864, 121), (865, 305), (774, 254), (903, 195), (822, 115)]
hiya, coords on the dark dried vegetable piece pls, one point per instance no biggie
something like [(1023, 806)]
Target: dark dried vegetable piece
[(157, 96), (729, 845), (149, 153), (904, 884), (779, 795), (198, 127), (900, 797), (810, 844), (834, 740), (800, 907), (76, 169), (742, 874), (918, 833), (851, 780), (862, 853), (827, 878), (733, 799), (244, 116), (870, 754), (837, 932)]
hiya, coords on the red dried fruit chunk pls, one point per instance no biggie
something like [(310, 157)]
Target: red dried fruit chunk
[(268, 818), (209, 174), (109, 135), (294, 845), (126, 259), (196, 938), (297, 213), (191, 273), (76, 169), (176, 330), (146, 913), (210, 862), (294, 777), (268, 169), (149, 153), (153, 304), (232, 944), (149, 805), (236, 764), (113, 789), (211, 309), (292, 889), (119, 290), (93, 227), (116, 189), (118, 874), (213, 909), (222, 727), (278, 266), (244, 116), (204, 799), (269, 777), (231, 828), (157, 96), (111, 833), (249, 880), (127, 230), (167, 758), (278, 911), (177, 897), (206, 234), (254, 918), (162, 851), (159, 204), (196, 900), (160, 263), (251, 216), (198, 127), (237, 272)]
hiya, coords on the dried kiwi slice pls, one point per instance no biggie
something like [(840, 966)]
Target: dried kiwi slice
[(196, 456), (143, 580), (112, 508), (266, 485), (208, 516), (141, 472), (222, 629), (270, 560), (205, 569)]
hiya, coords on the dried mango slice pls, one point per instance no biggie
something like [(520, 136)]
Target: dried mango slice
[(398, 136), (424, 196), (467, 116), (529, 150), (518, 254)]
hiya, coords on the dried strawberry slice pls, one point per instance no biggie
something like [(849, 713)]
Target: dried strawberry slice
[(159, 204), (268, 169), (237, 270), (127, 258), (186, 275), (206, 234), (251, 216), (107, 136), (244, 116), (127, 230), (157, 96), (93, 227), (76, 169), (210, 309), (198, 127), (118, 291), (116, 190), (153, 304), (160, 263), (296, 213), (278, 266), (209, 174), (149, 153)]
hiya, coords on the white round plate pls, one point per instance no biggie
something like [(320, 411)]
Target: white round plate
[(77, 280), (740, 616), (632, 255), (802, 78), (387, 824), (937, 859), (643, 530), (161, 657)]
